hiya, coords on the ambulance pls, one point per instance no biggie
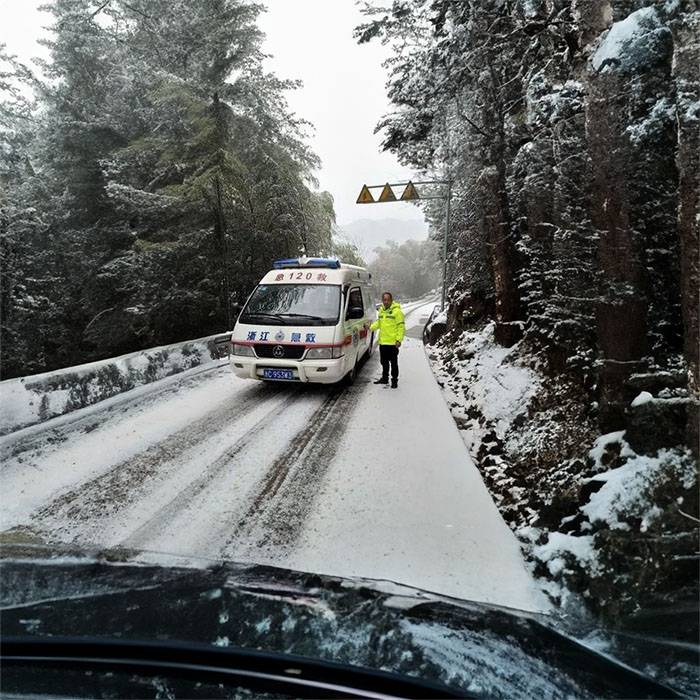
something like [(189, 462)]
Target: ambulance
[(307, 321)]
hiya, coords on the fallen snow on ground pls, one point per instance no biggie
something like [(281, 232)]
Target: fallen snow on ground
[(368, 481), (626, 489), (477, 371), (48, 462), (559, 546), (642, 398)]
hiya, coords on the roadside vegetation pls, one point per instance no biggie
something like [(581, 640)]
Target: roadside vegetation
[(570, 353), (409, 270), (150, 171)]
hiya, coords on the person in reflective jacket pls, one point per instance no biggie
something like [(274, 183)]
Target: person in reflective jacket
[(392, 327)]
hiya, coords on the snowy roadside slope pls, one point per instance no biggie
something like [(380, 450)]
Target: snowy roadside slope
[(26, 401), (606, 526), (500, 388)]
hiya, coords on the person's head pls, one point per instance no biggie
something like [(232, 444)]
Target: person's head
[(387, 299)]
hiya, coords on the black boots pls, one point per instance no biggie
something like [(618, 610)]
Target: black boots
[(394, 383), (382, 380)]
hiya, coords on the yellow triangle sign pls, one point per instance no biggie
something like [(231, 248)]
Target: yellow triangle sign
[(365, 196), (387, 194), (410, 192)]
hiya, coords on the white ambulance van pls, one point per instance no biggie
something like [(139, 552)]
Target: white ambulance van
[(307, 321)]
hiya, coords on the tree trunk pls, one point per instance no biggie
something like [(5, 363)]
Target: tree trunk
[(621, 309), (220, 227), (686, 60)]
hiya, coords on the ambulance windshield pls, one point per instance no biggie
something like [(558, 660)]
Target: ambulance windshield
[(293, 305)]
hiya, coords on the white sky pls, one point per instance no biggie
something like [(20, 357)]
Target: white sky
[(343, 93)]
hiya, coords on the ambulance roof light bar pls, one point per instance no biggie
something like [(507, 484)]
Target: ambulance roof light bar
[(303, 261)]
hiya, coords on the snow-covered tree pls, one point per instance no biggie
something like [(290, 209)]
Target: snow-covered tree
[(154, 180)]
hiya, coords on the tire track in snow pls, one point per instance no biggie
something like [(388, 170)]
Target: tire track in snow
[(278, 511), (158, 521), (285, 496), (104, 496)]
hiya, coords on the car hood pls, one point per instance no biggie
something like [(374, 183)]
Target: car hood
[(480, 649)]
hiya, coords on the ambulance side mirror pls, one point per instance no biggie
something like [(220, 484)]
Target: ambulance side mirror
[(355, 312)]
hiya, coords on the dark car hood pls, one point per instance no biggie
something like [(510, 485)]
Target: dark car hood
[(477, 648)]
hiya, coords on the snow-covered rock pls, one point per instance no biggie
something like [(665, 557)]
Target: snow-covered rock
[(639, 39), (642, 398)]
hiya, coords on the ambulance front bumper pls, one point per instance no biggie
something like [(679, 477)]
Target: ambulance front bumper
[(317, 371)]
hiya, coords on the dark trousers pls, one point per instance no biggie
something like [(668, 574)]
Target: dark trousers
[(389, 355)]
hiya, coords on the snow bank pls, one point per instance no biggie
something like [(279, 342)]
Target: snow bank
[(560, 550), (29, 400), (623, 513), (483, 372), (626, 491)]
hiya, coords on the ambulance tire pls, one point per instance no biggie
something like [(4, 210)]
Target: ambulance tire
[(351, 376), (368, 352)]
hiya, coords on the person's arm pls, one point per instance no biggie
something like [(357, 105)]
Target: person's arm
[(400, 326), (375, 326)]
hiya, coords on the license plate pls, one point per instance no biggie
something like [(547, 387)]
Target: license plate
[(278, 374)]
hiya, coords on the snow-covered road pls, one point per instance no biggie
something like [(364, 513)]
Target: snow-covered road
[(362, 481)]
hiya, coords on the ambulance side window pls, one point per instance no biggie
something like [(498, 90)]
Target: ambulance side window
[(368, 299), (354, 301)]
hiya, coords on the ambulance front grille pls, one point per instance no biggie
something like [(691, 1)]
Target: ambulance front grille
[(289, 352)]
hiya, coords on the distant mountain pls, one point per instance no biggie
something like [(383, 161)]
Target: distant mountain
[(368, 234)]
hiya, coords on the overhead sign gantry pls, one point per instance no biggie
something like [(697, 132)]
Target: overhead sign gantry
[(412, 193)]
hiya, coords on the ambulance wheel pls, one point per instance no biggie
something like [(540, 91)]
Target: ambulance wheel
[(369, 350), (351, 376)]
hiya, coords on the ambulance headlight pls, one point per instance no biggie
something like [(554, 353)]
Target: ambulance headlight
[(319, 354), (245, 350), (324, 353)]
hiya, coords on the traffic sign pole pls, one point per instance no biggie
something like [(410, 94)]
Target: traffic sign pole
[(411, 193), (444, 244)]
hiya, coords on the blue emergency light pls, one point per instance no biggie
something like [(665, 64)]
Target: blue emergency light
[(332, 263)]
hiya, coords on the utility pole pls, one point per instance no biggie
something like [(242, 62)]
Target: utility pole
[(446, 236), (411, 193)]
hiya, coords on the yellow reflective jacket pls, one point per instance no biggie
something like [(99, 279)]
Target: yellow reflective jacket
[(390, 323)]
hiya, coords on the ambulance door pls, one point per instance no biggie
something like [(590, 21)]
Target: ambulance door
[(367, 320), (354, 321)]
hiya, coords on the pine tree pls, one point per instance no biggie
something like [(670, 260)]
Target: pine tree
[(161, 174)]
